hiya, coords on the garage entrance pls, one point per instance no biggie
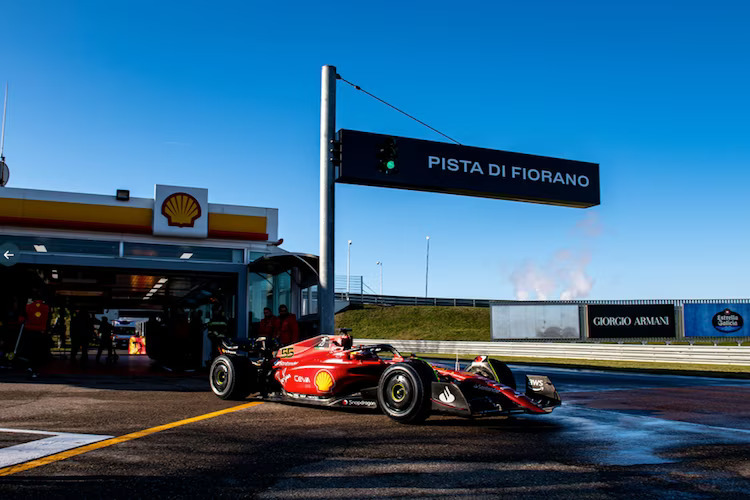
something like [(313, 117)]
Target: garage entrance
[(165, 270), (160, 315)]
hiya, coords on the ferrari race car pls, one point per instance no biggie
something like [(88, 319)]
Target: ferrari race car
[(328, 371)]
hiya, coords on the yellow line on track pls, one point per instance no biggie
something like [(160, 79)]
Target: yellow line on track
[(13, 469)]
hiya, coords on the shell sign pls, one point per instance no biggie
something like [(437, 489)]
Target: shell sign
[(181, 212)]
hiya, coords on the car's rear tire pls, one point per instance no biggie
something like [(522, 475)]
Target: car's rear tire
[(404, 391), (229, 378)]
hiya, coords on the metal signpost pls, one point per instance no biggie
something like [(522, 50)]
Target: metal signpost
[(400, 162), (4, 173), (327, 135)]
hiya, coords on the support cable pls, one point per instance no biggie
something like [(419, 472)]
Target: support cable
[(397, 109)]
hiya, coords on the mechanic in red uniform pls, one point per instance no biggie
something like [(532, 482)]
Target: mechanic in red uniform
[(288, 328), (269, 325), (35, 335)]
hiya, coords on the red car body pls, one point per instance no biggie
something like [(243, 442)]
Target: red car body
[(328, 370)]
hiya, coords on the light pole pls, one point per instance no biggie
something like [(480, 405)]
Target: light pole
[(348, 264), (380, 264), (427, 267)]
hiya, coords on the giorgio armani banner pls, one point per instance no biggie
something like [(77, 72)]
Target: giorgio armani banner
[(717, 320), (631, 321)]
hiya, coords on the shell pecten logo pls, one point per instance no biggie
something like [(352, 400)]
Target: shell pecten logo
[(324, 381), (181, 210)]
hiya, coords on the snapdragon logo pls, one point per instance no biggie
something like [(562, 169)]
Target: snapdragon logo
[(728, 321)]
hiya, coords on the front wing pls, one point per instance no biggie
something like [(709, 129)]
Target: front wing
[(477, 397)]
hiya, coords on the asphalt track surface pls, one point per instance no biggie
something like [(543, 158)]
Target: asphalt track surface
[(618, 435)]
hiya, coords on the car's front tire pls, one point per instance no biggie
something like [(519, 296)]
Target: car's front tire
[(404, 391), (228, 378), (495, 370)]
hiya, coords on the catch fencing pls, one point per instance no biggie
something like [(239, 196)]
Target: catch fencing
[(693, 354), (397, 300)]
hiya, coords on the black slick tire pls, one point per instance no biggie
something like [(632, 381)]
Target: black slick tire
[(228, 378), (404, 391)]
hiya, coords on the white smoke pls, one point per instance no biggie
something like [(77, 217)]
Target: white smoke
[(564, 276), (576, 283), (590, 225), (529, 280)]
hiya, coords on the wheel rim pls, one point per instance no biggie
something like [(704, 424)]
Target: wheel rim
[(400, 393), (221, 377)]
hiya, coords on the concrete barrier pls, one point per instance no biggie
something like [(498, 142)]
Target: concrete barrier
[(721, 355)]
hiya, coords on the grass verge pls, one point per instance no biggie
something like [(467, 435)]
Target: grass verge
[(417, 322)]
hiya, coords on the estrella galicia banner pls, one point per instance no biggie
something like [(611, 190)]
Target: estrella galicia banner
[(717, 320), (440, 167), (631, 321)]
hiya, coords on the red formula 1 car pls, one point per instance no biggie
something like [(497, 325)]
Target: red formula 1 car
[(329, 371)]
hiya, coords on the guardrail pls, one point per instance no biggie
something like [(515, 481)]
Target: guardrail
[(722, 355), (397, 300)]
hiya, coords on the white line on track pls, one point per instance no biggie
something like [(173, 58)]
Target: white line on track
[(56, 443)]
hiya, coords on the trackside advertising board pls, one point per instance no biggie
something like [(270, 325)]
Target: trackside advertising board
[(535, 322), (717, 320), (631, 321), (440, 167)]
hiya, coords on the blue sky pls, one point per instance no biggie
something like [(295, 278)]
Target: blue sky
[(225, 95)]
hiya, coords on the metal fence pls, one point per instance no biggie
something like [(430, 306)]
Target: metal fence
[(396, 300), (356, 285), (693, 354)]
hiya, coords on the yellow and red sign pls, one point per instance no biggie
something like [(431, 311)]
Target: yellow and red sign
[(176, 212), (181, 209), (324, 381)]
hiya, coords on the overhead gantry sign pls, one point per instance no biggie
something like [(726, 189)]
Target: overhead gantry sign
[(400, 162)]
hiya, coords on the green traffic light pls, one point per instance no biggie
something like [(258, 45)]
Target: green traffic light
[(390, 165)]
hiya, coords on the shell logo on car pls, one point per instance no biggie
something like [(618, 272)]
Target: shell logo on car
[(181, 210), (324, 381)]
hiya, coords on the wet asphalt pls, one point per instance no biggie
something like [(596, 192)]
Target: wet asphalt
[(617, 435)]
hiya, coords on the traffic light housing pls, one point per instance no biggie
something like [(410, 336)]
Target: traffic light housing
[(388, 157)]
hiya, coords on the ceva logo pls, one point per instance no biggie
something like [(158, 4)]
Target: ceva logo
[(727, 321)]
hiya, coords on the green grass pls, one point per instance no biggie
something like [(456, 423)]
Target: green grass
[(417, 323)]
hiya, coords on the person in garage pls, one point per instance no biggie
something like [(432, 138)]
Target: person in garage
[(81, 329), (269, 325), (105, 341), (288, 327)]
